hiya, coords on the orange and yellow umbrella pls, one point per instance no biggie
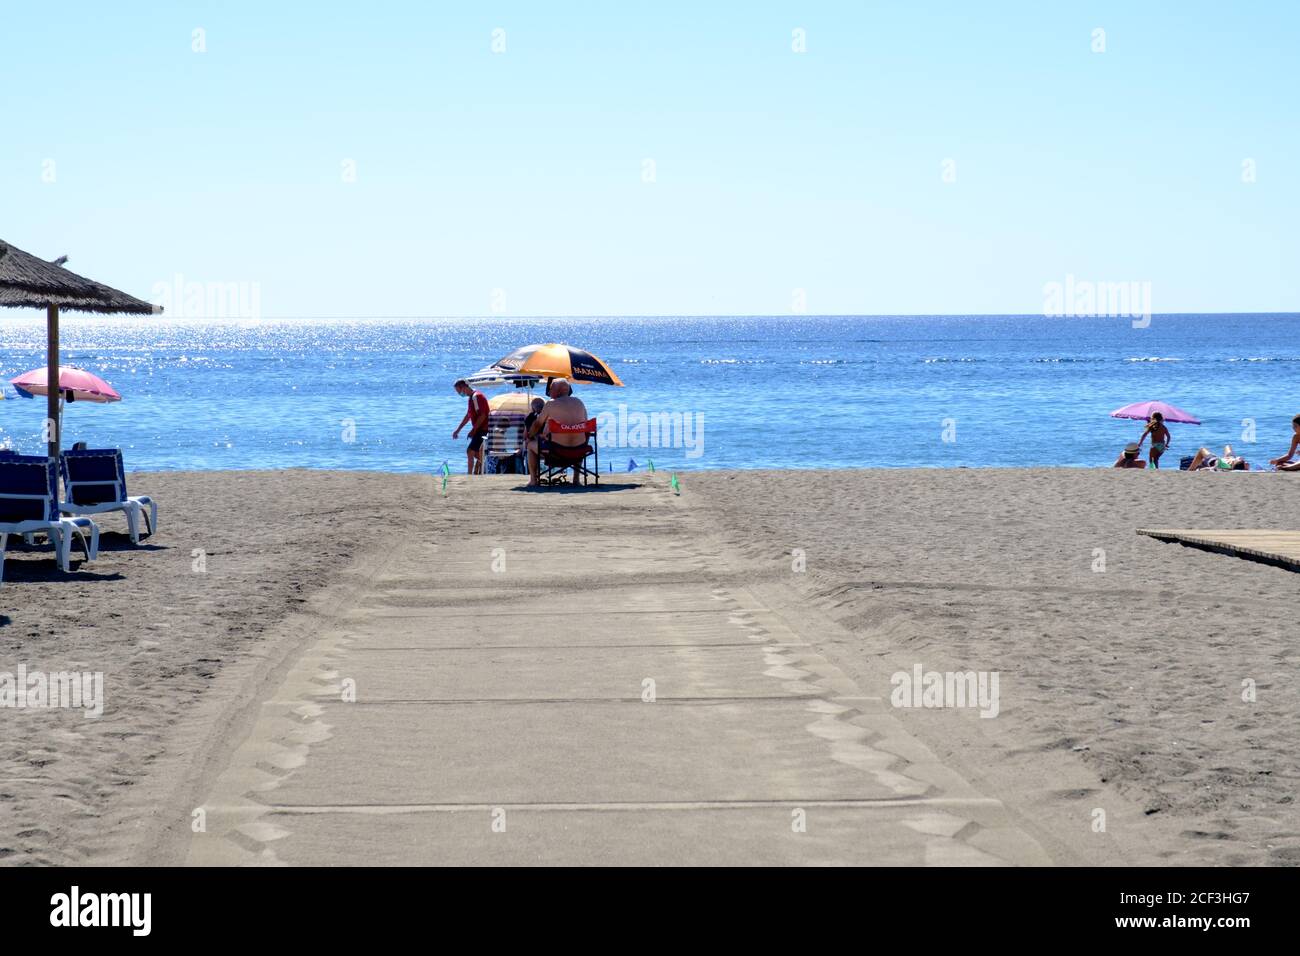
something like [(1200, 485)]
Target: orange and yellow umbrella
[(555, 360)]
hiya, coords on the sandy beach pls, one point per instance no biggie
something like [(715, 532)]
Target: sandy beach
[(1124, 682), (1121, 689), (176, 645)]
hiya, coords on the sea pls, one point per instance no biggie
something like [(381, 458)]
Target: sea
[(941, 391)]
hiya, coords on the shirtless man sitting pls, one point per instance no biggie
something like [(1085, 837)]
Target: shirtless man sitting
[(565, 408)]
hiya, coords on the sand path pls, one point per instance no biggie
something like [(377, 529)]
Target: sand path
[(616, 695)]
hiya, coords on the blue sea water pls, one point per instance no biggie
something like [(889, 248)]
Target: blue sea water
[(771, 392)]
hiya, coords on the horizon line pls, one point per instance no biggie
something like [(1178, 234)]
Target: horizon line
[(163, 316)]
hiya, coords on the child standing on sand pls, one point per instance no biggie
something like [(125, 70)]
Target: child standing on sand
[(1159, 433)]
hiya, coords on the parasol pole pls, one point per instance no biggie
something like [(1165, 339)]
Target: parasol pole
[(53, 396)]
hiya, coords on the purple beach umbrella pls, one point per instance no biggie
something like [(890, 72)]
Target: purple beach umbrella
[(1142, 411)]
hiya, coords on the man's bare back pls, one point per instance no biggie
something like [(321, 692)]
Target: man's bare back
[(567, 410)]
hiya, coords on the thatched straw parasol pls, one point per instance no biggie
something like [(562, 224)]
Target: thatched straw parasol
[(27, 282)]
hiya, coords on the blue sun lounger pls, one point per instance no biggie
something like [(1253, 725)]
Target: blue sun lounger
[(94, 482), (29, 505)]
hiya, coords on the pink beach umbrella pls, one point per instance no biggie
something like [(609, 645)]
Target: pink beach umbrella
[(75, 385), (1142, 411)]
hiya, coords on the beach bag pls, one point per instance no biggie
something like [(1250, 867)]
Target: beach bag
[(1185, 462)]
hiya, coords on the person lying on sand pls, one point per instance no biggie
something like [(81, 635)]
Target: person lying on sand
[(1159, 433), (1129, 457), (1204, 458), (1288, 461)]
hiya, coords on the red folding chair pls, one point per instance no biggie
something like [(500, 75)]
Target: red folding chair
[(557, 460)]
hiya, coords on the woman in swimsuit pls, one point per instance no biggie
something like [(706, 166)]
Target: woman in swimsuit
[(1159, 437), (1289, 462), (1228, 461)]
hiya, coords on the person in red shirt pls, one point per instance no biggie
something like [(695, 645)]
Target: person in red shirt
[(477, 416)]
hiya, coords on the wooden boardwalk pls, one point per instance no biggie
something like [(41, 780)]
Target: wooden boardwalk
[(607, 699), (1280, 548)]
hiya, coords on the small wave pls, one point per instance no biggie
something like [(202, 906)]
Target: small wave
[(1068, 360), (1265, 359), (1151, 358), (733, 361), (934, 361)]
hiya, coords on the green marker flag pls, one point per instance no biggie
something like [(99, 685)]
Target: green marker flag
[(444, 486), (445, 470), (651, 462), (677, 488)]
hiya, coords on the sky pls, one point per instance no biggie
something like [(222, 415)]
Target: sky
[(671, 158)]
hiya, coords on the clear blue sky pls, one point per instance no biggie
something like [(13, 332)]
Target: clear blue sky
[(522, 170)]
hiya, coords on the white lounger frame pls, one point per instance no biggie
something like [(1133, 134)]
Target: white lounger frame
[(60, 534), (132, 506)]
